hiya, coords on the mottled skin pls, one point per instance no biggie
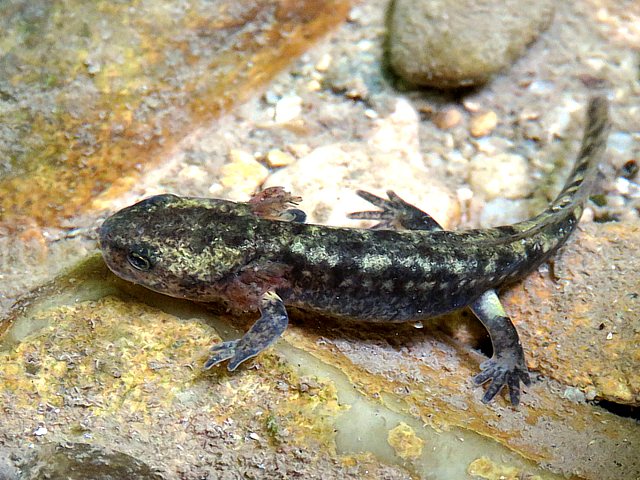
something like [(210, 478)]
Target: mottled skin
[(260, 255)]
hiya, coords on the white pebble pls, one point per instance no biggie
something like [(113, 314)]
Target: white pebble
[(288, 108)]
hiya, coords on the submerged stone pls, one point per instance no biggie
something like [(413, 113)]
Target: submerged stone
[(452, 44)]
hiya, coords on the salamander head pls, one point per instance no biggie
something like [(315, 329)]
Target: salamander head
[(179, 246)]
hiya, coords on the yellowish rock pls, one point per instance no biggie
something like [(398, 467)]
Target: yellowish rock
[(115, 73), (278, 158), (483, 124), (447, 118), (485, 468), (405, 442), (314, 86), (243, 174)]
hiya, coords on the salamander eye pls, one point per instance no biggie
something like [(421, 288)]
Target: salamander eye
[(139, 260)]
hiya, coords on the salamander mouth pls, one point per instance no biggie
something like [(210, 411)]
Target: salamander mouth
[(105, 239), (114, 251), (108, 231)]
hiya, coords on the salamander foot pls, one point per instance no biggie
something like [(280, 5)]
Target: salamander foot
[(502, 372)]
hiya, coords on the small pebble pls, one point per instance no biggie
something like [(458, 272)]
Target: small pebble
[(93, 66), (616, 201), (299, 150), (371, 113), (561, 119), (324, 63), (623, 186), (574, 394), (464, 194), (278, 158), (40, 431), (288, 108), (483, 124), (447, 118), (541, 87), (630, 169), (528, 114), (314, 86), (621, 142), (355, 15), (587, 216), (471, 105), (271, 97), (492, 145)]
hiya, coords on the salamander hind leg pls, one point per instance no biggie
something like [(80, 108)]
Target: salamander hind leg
[(395, 214), (507, 367), (269, 327), (221, 352)]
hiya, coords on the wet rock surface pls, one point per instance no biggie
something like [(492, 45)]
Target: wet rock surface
[(93, 365), (105, 368), (452, 44), (585, 308), (92, 359), (83, 461), (92, 91)]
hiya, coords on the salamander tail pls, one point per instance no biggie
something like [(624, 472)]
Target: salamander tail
[(569, 203), (583, 176)]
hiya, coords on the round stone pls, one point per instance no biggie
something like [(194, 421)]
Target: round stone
[(460, 43)]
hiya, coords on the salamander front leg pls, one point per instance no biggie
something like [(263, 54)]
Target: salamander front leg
[(269, 327), (507, 366), (274, 203)]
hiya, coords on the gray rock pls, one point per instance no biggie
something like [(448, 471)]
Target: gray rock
[(459, 43)]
